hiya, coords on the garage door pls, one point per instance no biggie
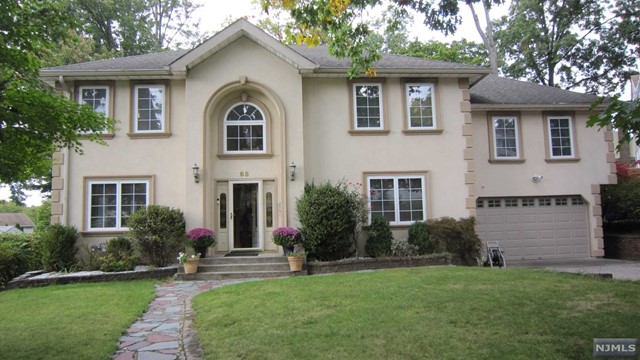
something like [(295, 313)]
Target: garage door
[(535, 227)]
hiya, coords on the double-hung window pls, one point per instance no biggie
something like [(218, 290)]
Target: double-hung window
[(506, 142), (367, 109), (111, 202), (245, 129), (97, 97), (400, 199), (560, 134), (421, 111), (149, 112)]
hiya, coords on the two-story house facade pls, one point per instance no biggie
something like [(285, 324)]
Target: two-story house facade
[(230, 131)]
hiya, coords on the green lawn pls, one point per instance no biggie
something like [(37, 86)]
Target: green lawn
[(420, 313), (81, 321)]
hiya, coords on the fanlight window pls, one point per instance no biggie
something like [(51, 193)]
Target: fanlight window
[(245, 129)]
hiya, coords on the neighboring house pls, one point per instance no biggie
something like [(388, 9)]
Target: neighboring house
[(426, 138), (10, 230), (13, 219)]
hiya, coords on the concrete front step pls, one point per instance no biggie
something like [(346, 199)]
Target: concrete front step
[(240, 267), (237, 275)]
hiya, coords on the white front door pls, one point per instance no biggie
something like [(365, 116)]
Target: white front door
[(246, 222)]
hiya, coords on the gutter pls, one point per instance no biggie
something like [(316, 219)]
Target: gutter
[(498, 107)]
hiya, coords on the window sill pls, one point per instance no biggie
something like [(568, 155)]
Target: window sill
[(507, 161), (108, 136), (568, 160), (422, 131), (244, 156), (97, 233), (159, 135), (369, 132)]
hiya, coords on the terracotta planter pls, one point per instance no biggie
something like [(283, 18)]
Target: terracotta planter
[(295, 262), (191, 266)]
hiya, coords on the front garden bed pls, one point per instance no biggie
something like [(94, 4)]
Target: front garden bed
[(359, 264)]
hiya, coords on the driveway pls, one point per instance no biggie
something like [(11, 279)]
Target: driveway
[(620, 269)]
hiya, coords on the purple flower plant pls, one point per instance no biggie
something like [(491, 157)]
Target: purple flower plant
[(286, 237), (198, 233), (200, 239)]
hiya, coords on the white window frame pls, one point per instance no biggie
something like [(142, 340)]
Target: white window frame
[(263, 123), (396, 197), (495, 138), (433, 106), (96, 87), (571, 137), (135, 110), (118, 205), (354, 94)]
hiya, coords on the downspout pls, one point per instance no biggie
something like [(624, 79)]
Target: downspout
[(65, 182)]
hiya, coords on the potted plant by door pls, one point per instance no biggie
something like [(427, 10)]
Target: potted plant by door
[(190, 262), (200, 239), (296, 259), (286, 237)]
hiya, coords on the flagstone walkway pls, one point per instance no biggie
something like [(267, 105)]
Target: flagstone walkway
[(165, 331)]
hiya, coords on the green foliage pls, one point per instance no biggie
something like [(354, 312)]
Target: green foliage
[(419, 237), (461, 52), (329, 217), (9, 207), (568, 44), (119, 256), (340, 25), (622, 115), (380, 237), (58, 246), (457, 237), (43, 215), (621, 201), (32, 117), (402, 248), (19, 253), (157, 233)]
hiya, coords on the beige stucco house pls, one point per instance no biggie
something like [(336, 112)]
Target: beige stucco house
[(425, 138)]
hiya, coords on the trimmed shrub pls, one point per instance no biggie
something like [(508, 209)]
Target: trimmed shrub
[(19, 253), (380, 237), (329, 217), (11, 263), (157, 233), (456, 237), (402, 248), (59, 247), (419, 237), (119, 255)]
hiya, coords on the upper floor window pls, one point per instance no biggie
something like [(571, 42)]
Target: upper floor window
[(368, 107), (97, 97), (400, 199), (421, 111), (505, 136), (560, 137), (245, 129), (149, 103), (112, 202)]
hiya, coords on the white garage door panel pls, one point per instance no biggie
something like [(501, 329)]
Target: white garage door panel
[(550, 227)]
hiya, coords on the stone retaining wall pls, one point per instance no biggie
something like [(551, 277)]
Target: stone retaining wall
[(40, 280), (327, 267), (622, 246)]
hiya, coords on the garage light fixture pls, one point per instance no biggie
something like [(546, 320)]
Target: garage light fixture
[(537, 178)]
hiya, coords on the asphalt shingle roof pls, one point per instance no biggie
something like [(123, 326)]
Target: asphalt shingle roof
[(320, 56), (10, 219), (154, 61), (493, 89)]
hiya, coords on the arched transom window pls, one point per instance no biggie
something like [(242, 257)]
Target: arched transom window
[(245, 129)]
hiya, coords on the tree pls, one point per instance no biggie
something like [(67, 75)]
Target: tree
[(568, 44), (133, 27), (623, 115), (462, 52), (34, 120), (349, 36)]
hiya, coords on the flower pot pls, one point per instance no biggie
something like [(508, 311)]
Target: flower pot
[(191, 266), (295, 262)]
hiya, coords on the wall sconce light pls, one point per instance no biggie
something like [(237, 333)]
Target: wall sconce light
[(537, 178), (196, 172), (292, 170)]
